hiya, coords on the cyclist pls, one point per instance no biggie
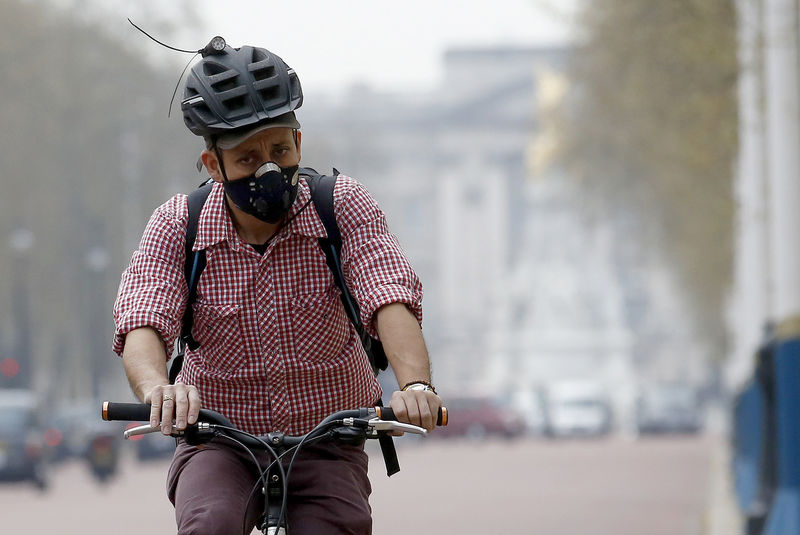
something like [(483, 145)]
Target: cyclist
[(276, 349)]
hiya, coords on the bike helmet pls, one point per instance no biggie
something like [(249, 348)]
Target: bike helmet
[(238, 88)]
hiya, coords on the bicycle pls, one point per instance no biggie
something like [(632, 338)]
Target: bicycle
[(352, 427)]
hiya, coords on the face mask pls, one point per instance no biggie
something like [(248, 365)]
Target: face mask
[(266, 194)]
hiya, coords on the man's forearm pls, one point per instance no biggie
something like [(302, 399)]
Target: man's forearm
[(403, 343), (145, 361)]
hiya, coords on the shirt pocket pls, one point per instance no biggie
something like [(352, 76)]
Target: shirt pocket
[(217, 328), (320, 327)]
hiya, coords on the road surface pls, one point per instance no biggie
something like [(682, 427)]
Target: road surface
[(610, 486)]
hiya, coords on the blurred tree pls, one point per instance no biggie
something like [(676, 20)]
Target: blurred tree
[(650, 131), (87, 153)]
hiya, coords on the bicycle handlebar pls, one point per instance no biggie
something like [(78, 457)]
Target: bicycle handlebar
[(349, 426), (135, 412)]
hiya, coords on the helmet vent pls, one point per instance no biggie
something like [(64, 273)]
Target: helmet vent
[(203, 112), (262, 74), (259, 54), (225, 85), (211, 68), (234, 103), (270, 93)]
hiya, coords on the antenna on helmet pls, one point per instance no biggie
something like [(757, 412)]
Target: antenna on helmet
[(214, 47)]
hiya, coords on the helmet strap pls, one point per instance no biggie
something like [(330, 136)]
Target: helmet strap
[(221, 164)]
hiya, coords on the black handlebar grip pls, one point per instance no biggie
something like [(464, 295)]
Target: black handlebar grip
[(133, 412), (386, 413)]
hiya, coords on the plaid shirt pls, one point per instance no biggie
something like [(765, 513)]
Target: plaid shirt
[(277, 351)]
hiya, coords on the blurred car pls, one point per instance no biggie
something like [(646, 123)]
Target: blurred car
[(577, 408), (77, 431), (668, 408), (480, 416), (65, 433), (22, 447), (530, 405)]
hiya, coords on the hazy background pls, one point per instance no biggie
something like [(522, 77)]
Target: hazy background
[(561, 175), (550, 240)]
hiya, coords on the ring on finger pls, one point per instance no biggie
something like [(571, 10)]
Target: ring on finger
[(168, 397)]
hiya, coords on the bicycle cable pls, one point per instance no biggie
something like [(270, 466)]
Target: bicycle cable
[(274, 454), (296, 449), (282, 455), (310, 438)]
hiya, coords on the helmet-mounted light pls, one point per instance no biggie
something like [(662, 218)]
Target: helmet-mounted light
[(214, 47)]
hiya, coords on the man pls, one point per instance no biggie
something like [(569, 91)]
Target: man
[(276, 349)]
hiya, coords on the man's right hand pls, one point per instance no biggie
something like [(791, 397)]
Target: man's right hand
[(178, 402), (145, 359)]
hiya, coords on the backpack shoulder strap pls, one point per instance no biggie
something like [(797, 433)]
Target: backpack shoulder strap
[(321, 187), (322, 196), (196, 200), (193, 266)]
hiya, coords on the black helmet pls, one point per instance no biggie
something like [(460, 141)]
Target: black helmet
[(238, 88)]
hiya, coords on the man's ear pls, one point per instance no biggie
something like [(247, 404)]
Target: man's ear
[(298, 139), (211, 163)]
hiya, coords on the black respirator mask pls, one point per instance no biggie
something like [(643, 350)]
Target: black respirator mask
[(267, 194)]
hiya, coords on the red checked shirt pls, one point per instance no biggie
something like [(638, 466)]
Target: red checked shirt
[(277, 351)]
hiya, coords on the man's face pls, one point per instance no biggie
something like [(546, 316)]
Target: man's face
[(271, 145)]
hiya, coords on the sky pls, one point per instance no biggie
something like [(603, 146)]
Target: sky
[(391, 46)]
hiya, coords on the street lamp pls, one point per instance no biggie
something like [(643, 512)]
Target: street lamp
[(96, 261), (19, 369)]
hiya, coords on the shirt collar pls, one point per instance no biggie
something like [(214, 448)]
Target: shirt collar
[(306, 222), (215, 224)]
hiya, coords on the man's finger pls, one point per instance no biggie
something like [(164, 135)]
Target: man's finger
[(426, 417), (167, 410), (398, 405), (181, 407), (194, 405), (155, 405), (413, 400)]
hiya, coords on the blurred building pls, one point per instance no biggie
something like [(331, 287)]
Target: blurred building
[(523, 287)]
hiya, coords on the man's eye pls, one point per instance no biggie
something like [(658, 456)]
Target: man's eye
[(246, 160)]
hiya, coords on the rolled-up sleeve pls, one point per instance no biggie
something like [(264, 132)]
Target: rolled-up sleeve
[(153, 290), (376, 270)]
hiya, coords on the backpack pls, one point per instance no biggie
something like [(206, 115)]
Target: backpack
[(321, 187)]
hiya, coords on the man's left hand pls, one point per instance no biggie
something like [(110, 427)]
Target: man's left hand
[(416, 407)]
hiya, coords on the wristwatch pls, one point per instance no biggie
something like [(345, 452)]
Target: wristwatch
[(419, 385)]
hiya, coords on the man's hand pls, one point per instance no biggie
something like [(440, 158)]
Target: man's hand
[(416, 407), (144, 358), (178, 402)]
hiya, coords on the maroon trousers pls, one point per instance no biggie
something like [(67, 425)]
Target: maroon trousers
[(210, 487)]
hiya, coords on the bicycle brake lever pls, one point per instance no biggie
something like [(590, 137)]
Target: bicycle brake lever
[(140, 430), (146, 429), (388, 425)]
